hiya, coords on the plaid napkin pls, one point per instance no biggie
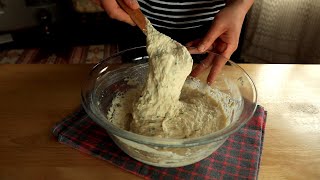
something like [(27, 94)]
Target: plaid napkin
[(238, 158)]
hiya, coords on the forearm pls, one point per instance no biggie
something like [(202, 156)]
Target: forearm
[(244, 5)]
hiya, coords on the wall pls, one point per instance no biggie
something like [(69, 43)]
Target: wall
[(283, 31)]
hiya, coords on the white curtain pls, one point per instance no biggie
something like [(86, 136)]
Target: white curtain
[(283, 31)]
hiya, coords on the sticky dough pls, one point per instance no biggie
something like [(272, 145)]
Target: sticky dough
[(166, 106)]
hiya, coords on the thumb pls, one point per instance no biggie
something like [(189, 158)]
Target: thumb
[(213, 33), (133, 4)]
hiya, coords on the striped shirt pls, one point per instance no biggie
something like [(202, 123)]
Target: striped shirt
[(180, 14)]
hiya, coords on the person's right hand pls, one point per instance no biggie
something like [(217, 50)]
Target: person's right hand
[(115, 12)]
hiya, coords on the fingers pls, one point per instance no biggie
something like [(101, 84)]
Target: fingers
[(214, 32), (115, 12), (220, 46), (193, 50), (192, 47), (133, 4), (204, 65), (229, 50), (216, 62), (217, 65), (193, 43), (220, 60)]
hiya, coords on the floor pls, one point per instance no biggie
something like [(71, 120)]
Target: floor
[(71, 55)]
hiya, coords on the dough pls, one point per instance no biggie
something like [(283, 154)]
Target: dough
[(166, 106)]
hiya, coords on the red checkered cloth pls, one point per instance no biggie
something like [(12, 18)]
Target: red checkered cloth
[(238, 158)]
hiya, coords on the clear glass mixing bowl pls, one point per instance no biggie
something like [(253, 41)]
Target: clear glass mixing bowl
[(105, 80)]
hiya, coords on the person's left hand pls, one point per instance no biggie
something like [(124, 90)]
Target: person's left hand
[(222, 38)]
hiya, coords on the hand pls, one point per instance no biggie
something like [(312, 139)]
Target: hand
[(115, 12), (222, 38)]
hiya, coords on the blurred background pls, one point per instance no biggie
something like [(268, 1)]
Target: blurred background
[(79, 31)]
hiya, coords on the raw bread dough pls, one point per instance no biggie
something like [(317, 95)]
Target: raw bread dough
[(166, 106)]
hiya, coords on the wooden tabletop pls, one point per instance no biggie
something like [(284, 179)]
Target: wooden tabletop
[(34, 97)]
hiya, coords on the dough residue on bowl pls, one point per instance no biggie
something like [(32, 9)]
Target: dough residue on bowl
[(167, 105)]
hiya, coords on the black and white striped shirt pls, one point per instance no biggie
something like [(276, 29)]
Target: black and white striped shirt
[(180, 14)]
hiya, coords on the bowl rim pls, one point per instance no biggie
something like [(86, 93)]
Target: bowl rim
[(165, 142)]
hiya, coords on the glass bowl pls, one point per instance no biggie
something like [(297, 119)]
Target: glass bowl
[(106, 80)]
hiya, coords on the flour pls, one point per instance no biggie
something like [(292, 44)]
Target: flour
[(166, 106)]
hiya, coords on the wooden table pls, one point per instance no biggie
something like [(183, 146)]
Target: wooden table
[(34, 97)]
